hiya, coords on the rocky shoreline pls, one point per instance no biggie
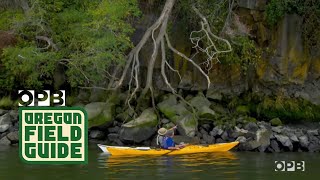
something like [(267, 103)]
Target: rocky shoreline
[(9, 127), (258, 137), (253, 136)]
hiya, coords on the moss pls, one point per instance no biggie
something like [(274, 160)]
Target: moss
[(250, 119), (289, 110), (243, 109), (6, 103), (261, 68), (190, 121), (97, 121), (276, 122), (301, 72)]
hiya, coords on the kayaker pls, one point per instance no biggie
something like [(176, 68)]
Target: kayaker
[(161, 134), (168, 142)]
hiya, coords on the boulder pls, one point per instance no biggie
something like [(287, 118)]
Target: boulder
[(261, 141), (203, 131), (285, 141), (225, 136), (96, 134), (14, 114), (219, 140), (5, 141), (113, 137), (304, 141), (216, 131), (5, 119), (4, 128), (99, 113), (277, 129), (187, 125), (141, 128), (239, 132), (214, 95), (114, 129), (263, 137), (251, 126), (123, 116), (2, 112), (274, 145), (241, 139), (200, 101), (208, 139), (293, 138), (276, 122), (13, 137), (313, 132), (314, 147), (206, 127), (172, 109), (94, 109), (206, 113), (180, 115)]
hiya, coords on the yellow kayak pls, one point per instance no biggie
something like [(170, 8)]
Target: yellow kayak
[(189, 149)]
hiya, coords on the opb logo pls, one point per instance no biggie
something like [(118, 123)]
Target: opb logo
[(289, 166), (42, 98)]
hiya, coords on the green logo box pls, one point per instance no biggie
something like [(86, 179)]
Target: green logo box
[(53, 135)]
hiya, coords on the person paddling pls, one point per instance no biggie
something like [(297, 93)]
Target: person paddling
[(168, 142), (161, 134)]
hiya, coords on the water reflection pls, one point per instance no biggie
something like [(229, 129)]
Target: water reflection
[(160, 166)]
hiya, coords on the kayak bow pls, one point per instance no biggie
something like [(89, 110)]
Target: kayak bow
[(120, 150)]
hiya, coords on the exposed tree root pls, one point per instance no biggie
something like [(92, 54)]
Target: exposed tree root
[(160, 38)]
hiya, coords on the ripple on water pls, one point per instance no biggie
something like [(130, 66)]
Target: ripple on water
[(191, 164)]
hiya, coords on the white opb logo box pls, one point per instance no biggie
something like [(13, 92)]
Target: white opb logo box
[(41, 98), (289, 166)]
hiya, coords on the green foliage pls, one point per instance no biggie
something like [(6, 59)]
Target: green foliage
[(6, 103), (90, 36), (8, 18), (245, 53), (309, 10)]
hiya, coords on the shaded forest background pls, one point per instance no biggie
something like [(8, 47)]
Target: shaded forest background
[(272, 71)]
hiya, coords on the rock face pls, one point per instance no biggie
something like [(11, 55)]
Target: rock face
[(141, 128)]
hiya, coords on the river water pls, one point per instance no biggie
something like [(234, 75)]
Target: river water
[(229, 165)]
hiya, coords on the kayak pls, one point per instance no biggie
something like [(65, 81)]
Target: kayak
[(189, 149)]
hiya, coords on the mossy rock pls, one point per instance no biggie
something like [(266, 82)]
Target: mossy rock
[(148, 118), (99, 113), (6, 103), (276, 122), (206, 113), (166, 106), (243, 109), (250, 119)]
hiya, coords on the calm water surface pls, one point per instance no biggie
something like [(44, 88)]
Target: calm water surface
[(229, 165)]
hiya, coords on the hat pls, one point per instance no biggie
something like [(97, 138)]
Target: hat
[(162, 131)]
